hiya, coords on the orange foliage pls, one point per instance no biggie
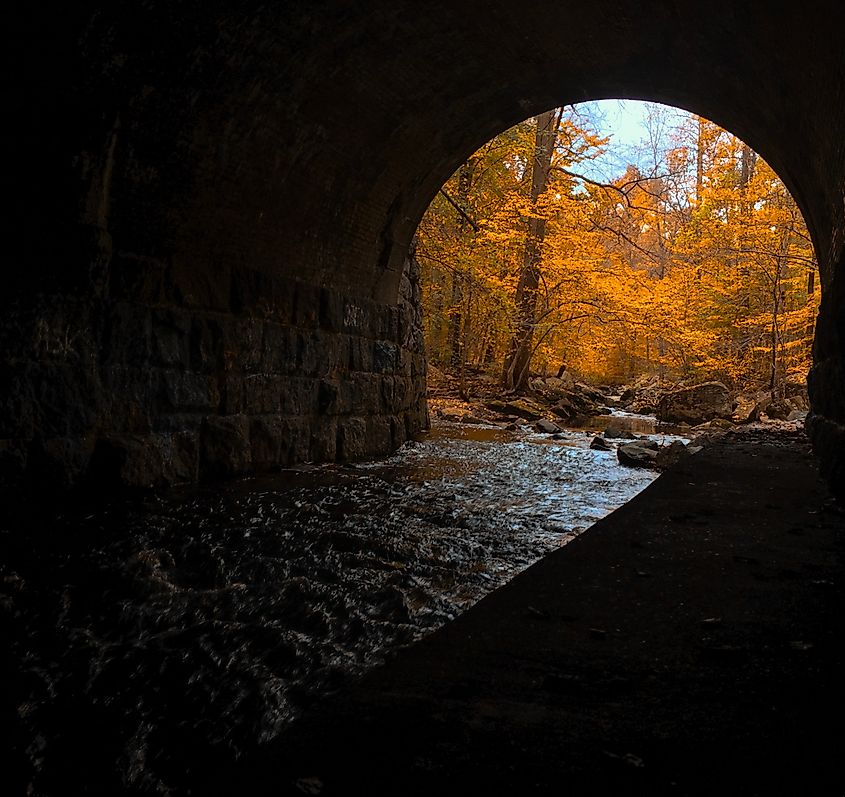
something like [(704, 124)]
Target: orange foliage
[(702, 268)]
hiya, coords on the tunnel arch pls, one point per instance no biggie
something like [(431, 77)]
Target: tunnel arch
[(770, 157), (225, 174), (466, 246)]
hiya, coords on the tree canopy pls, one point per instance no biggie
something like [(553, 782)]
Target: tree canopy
[(699, 267)]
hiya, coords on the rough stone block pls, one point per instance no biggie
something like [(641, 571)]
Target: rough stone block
[(389, 403), (181, 464), (332, 308), (263, 393), (332, 355), (232, 392), (379, 435), (170, 337), (68, 399), (360, 354), (266, 442), (351, 439), (295, 439), (385, 356), (399, 430), (323, 440), (225, 448), (185, 390), (127, 460), (365, 394), (307, 353), (306, 305), (358, 318), (245, 344), (298, 396), (328, 397), (205, 345), (279, 347), (127, 335)]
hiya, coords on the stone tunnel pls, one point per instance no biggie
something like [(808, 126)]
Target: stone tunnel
[(211, 272)]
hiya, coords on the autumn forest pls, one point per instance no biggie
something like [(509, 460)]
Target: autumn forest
[(692, 265)]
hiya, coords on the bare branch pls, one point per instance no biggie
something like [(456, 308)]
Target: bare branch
[(460, 210)]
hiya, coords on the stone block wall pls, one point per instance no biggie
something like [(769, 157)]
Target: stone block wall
[(826, 384), (156, 377)]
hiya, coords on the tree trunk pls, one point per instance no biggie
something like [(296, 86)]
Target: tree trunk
[(518, 361), (699, 162), (454, 335)]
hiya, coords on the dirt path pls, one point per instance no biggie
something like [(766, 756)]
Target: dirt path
[(689, 644)]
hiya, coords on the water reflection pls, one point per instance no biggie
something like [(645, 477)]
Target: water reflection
[(628, 422), (193, 625)]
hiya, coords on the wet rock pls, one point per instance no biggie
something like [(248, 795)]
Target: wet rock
[(778, 410), (747, 408), (618, 433), (548, 427), (696, 404), (671, 455), (636, 455), (565, 409), (721, 423), (552, 388), (600, 444), (470, 418), (522, 408), (225, 448)]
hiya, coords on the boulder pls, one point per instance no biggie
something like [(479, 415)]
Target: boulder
[(696, 404), (747, 408), (636, 455), (549, 427), (617, 432), (600, 444), (552, 388), (778, 410), (671, 455), (519, 407), (721, 423)]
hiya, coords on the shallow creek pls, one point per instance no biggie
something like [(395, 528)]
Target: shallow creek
[(199, 622)]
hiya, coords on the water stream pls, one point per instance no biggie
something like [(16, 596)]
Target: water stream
[(199, 622)]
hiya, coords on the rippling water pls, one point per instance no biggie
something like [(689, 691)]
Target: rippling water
[(152, 634)]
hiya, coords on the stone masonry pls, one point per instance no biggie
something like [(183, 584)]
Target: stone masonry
[(216, 200), (165, 380)]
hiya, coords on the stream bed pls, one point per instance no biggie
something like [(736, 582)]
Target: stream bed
[(152, 633)]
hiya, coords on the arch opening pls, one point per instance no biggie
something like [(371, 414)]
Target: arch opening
[(203, 197), (686, 261)]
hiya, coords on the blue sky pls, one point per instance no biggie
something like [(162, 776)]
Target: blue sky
[(625, 122)]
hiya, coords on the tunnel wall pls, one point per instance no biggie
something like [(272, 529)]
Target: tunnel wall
[(826, 383), (182, 159), (170, 377)]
